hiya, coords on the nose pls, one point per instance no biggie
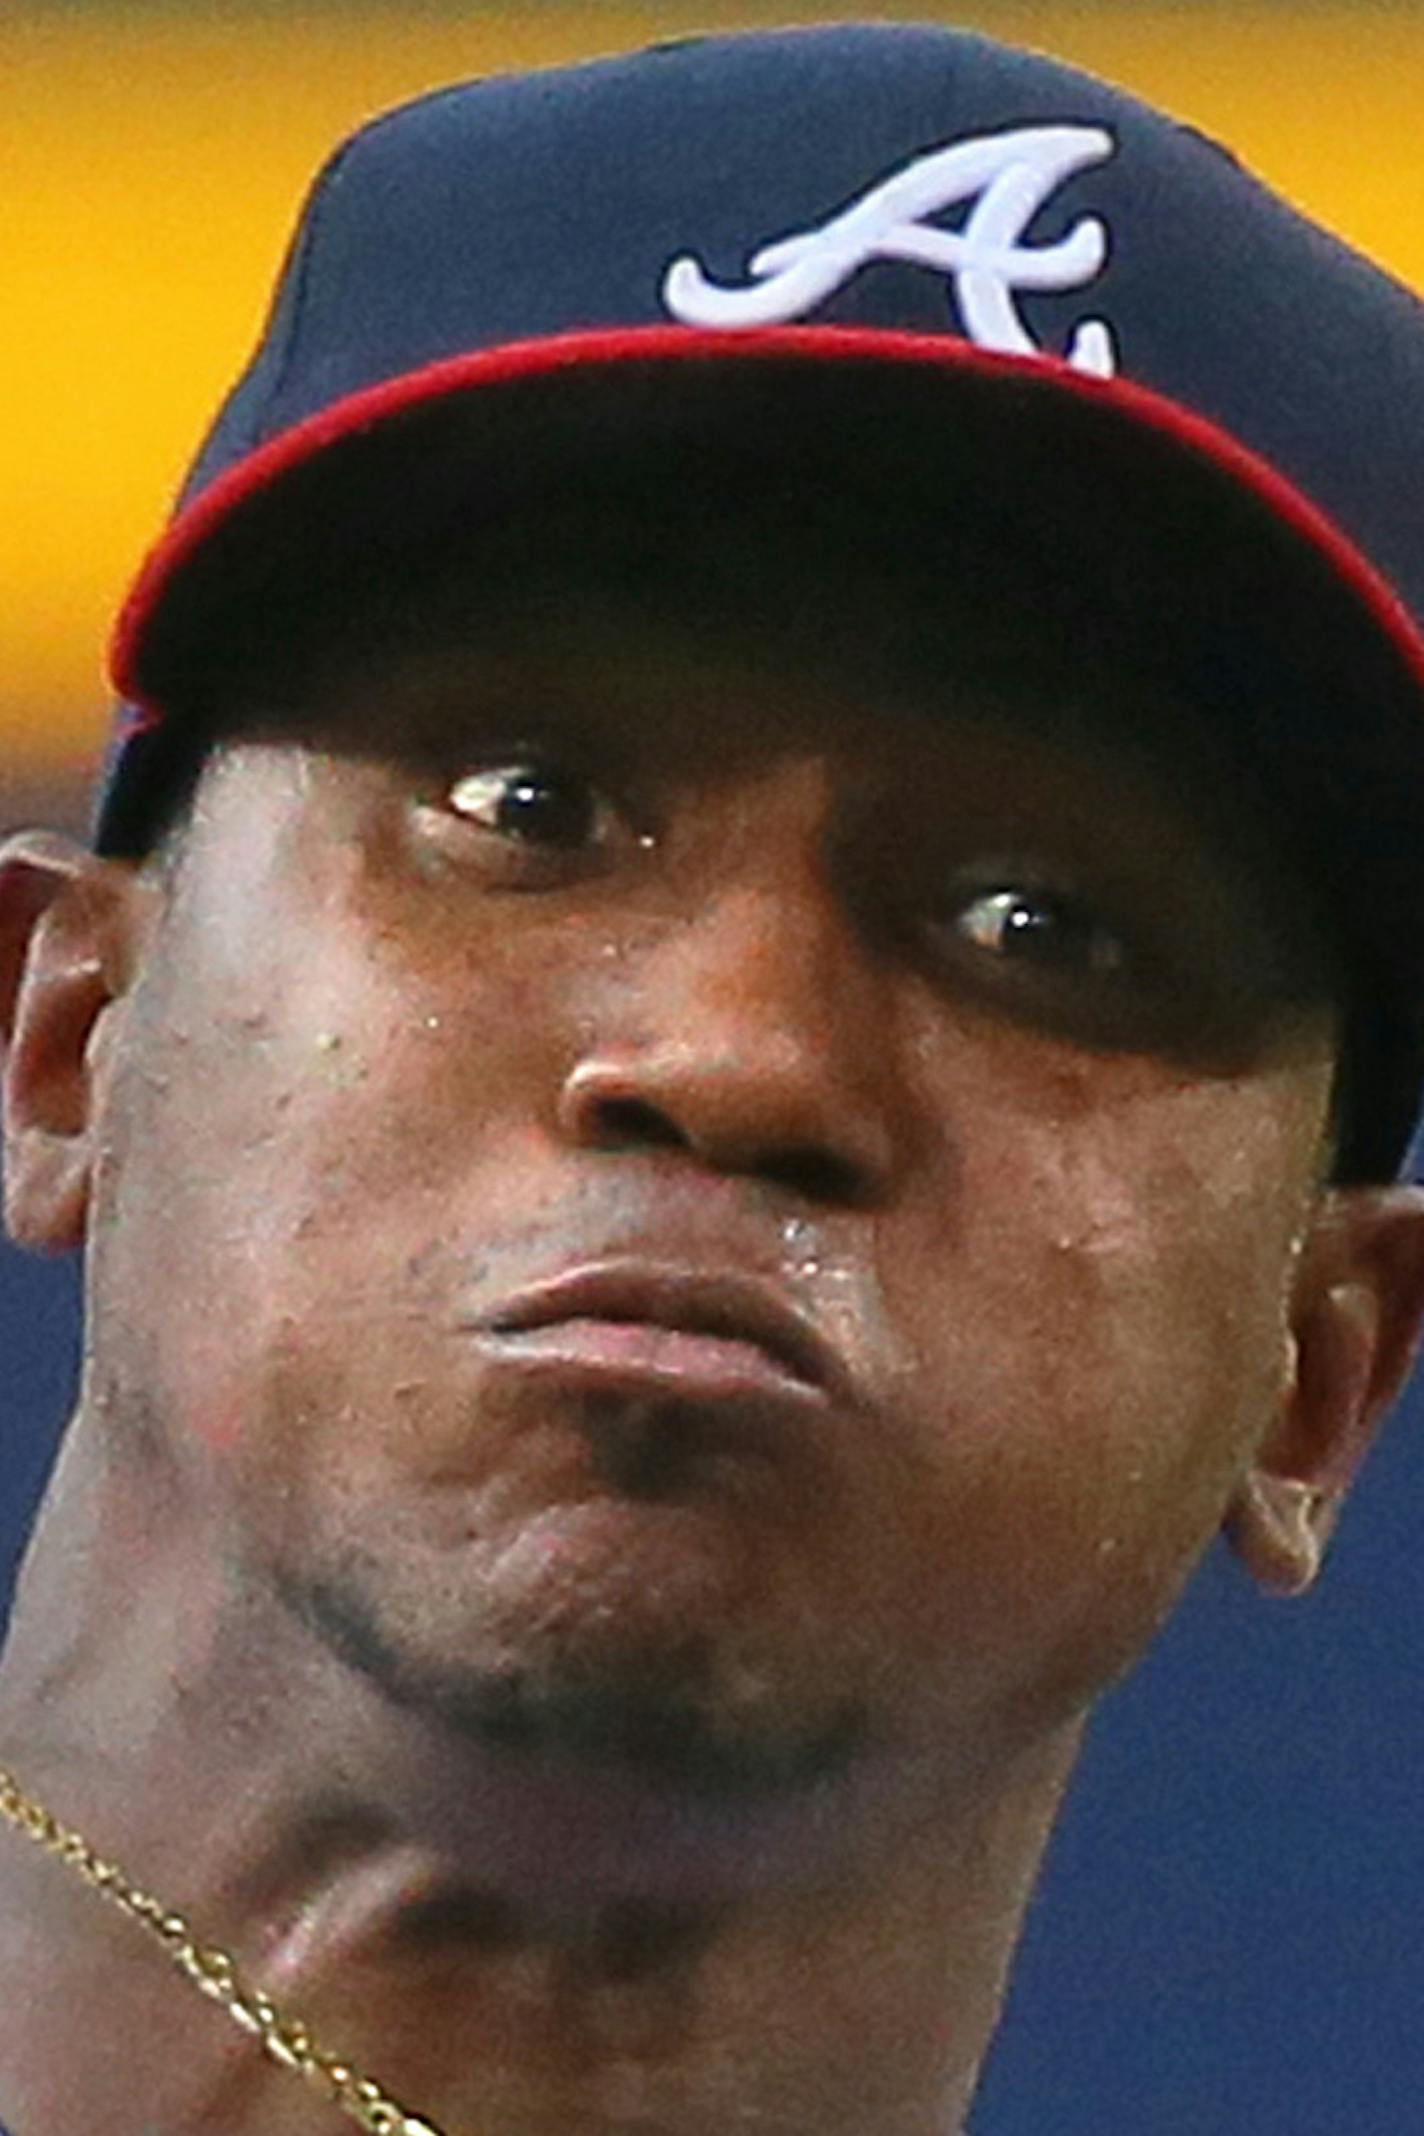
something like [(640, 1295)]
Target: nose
[(752, 1037)]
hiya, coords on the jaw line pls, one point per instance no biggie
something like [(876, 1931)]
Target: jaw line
[(643, 1738)]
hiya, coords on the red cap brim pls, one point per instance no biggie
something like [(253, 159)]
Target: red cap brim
[(1136, 407)]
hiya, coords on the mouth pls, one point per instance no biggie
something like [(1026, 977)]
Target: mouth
[(654, 1327)]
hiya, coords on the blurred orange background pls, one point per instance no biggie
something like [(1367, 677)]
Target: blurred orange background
[(151, 164)]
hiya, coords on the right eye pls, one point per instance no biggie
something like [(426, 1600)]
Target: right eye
[(522, 822), (534, 804)]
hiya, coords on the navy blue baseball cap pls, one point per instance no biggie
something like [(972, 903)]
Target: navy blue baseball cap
[(1041, 290)]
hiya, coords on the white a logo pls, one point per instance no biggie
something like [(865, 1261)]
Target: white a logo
[(1008, 177)]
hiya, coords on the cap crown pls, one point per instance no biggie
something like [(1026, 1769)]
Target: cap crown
[(921, 179)]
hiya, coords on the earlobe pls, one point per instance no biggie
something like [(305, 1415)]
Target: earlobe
[(1356, 1310), (1279, 1528), (68, 930)]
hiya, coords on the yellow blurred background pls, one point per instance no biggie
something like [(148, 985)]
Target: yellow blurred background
[(152, 160)]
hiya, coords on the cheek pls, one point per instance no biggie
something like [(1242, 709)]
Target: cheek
[(1106, 1343), (291, 1137)]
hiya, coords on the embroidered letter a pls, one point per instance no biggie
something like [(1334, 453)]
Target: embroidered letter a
[(1008, 177)]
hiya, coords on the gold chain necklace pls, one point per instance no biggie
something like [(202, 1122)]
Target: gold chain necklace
[(286, 2039)]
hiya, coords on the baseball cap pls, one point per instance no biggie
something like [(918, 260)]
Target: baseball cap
[(908, 260)]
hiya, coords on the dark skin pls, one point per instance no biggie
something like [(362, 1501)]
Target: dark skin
[(583, 1747)]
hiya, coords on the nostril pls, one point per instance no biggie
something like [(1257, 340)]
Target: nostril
[(816, 1175), (633, 1120), (728, 1122)]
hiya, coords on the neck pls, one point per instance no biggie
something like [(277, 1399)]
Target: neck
[(245, 1777)]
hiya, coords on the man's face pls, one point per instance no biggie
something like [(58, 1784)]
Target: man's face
[(953, 1088)]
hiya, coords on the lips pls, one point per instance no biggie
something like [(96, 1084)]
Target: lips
[(657, 1326)]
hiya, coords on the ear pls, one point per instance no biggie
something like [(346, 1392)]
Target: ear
[(70, 926), (1355, 1315)]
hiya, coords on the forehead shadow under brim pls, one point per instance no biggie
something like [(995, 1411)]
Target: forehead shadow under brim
[(891, 517)]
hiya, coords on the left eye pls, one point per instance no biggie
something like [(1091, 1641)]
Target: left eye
[(1043, 928), (534, 804)]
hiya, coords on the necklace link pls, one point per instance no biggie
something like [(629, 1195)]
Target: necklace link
[(285, 2040)]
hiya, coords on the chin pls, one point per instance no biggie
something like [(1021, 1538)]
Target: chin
[(662, 1678), (565, 1777)]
